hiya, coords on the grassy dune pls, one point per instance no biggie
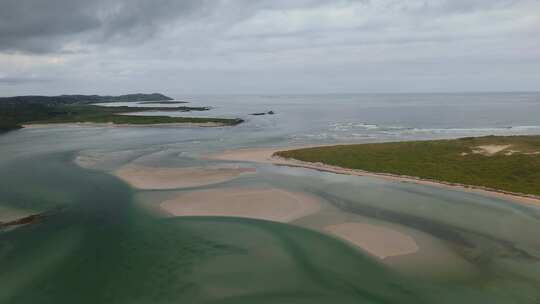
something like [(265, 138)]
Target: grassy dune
[(510, 163)]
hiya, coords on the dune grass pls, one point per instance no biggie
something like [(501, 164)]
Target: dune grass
[(515, 168)]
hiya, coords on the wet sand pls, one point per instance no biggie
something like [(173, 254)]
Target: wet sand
[(161, 178), (379, 241), (270, 204), (267, 156), (8, 214)]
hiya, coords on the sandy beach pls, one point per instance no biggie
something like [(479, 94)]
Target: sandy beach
[(267, 156), (379, 241), (270, 204), (262, 155), (148, 178)]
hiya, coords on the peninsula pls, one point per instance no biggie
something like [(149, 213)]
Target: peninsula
[(504, 164), (15, 112)]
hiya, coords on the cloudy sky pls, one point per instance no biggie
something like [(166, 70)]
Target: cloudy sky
[(268, 46)]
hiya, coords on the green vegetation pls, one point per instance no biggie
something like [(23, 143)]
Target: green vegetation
[(84, 99), (16, 111), (163, 102), (8, 125), (98, 114), (471, 161)]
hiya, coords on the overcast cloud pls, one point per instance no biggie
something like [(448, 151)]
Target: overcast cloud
[(268, 46)]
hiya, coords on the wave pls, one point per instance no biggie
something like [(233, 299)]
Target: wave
[(360, 130)]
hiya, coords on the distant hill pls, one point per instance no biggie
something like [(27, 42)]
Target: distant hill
[(17, 110), (82, 99)]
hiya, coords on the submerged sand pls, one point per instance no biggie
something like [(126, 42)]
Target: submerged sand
[(8, 214), (160, 178), (270, 204), (379, 241)]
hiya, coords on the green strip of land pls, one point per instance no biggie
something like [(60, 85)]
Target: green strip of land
[(99, 114), (509, 163)]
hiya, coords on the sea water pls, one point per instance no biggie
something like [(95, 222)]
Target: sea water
[(104, 244)]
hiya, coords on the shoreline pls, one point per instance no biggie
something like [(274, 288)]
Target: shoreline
[(111, 124), (267, 156)]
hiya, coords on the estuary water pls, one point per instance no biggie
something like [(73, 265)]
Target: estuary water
[(104, 241)]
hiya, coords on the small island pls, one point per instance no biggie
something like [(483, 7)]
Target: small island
[(506, 164), (18, 111), (263, 113)]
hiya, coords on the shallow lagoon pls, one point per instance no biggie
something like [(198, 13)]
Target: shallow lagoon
[(106, 243)]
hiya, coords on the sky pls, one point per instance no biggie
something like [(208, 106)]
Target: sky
[(268, 46)]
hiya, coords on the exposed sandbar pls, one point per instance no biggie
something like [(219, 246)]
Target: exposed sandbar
[(249, 155), (259, 203), (8, 214), (379, 241), (146, 177)]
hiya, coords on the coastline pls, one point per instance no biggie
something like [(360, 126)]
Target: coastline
[(267, 156), (110, 124)]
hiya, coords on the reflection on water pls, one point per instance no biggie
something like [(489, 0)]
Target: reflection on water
[(107, 245)]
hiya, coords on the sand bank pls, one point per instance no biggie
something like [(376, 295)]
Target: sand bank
[(145, 177), (8, 214), (259, 203), (266, 156), (248, 155), (379, 241)]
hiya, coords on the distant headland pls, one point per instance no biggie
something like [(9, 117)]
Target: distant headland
[(18, 111), (84, 99)]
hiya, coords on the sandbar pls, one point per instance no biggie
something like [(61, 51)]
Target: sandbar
[(379, 241), (270, 204), (161, 178), (262, 155)]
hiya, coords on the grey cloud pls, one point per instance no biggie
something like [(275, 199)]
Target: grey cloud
[(461, 6), (40, 26), (212, 46), (36, 26)]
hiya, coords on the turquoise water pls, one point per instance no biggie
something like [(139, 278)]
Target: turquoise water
[(104, 245)]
